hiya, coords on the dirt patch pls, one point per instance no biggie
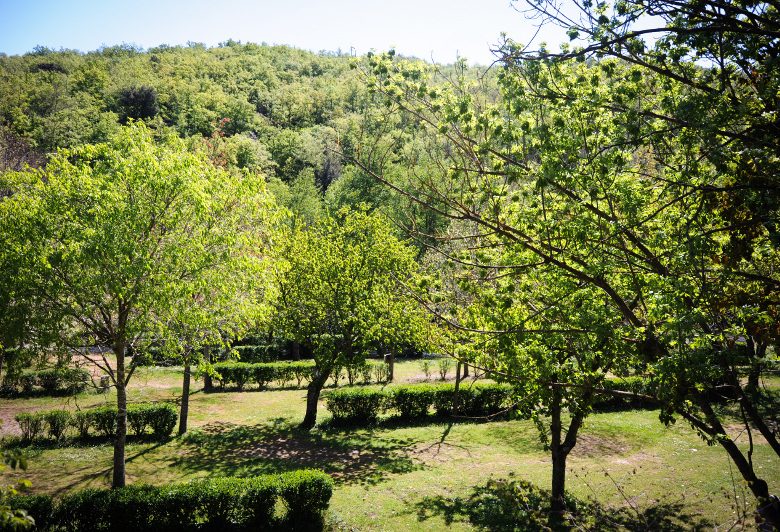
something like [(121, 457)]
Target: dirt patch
[(590, 446)]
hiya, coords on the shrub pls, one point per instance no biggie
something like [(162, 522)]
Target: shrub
[(425, 366), (31, 425), (263, 374), (413, 401), (351, 405), (56, 422), (103, 420), (381, 373), (81, 422), (365, 373), (234, 373), (335, 375), (302, 371), (445, 364), (306, 493), (39, 507), (59, 380), (213, 504), (162, 419)]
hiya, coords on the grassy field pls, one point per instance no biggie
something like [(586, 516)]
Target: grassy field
[(395, 477)]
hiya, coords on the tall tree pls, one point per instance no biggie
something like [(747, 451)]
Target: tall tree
[(339, 287), (131, 243)]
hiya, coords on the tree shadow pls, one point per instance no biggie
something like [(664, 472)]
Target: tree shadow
[(240, 450), (513, 504)]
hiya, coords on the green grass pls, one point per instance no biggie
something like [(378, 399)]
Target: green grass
[(394, 477)]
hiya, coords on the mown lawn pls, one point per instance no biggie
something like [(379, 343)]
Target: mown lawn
[(394, 477)]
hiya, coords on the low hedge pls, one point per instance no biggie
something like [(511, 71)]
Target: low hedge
[(361, 405), (213, 504), (284, 374), (52, 381), (159, 419)]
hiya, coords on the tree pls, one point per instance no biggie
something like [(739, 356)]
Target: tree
[(568, 188), (338, 287), (132, 243)]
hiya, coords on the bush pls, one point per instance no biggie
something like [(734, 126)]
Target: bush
[(159, 417), (39, 507), (381, 373), (350, 405), (31, 425), (445, 364), (425, 366), (306, 493), (365, 373), (81, 422), (53, 381), (238, 374), (413, 401), (214, 504), (103, 420), (56, 422)]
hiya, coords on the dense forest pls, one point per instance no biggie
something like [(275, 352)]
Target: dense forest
[(589, 229)]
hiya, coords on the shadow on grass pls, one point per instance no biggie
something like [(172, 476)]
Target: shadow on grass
[(241, 450), (512, 504)]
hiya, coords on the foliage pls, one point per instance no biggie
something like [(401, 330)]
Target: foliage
[(337, 287), (355, 405), (53, 381), (212, 504), (444, 366), (159, 418), (134, 242), (414, 402)]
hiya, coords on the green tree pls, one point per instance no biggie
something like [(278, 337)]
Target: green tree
[(338, 286), (569, 189), (132, 243)]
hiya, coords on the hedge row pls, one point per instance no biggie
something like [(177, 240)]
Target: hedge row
[(415, 401), (157, 418), (53, 381), (285, 374), (214, 504), (363, 405)]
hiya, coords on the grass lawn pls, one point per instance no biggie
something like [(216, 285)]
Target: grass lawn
[(394, 477)]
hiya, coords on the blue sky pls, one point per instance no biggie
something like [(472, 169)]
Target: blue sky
[(435, 29)]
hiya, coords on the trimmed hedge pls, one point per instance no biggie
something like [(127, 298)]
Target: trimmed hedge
[(213, 504), (157, 418), (351, 405), (52, 381), (360, 405), (284, 374), (417, 401)]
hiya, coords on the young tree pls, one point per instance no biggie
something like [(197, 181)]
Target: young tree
[(338, 287), (130, 243)]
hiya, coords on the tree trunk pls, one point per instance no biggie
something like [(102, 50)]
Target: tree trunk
[(557, 503), (185, 399), (768, 506), (208, 384), (120, 439), (390, 366), (465, 370), (457, 388), (296, 351), (312, 398)]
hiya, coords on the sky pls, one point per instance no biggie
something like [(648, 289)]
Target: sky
[(429, 29)]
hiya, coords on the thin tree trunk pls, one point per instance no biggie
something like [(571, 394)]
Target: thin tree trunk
[(768, 506), (557, 502), (457, 387), (391, 366), (120, 439), (312, 398), (296, 351), (208, 384), (465, 370), (185, 398)]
